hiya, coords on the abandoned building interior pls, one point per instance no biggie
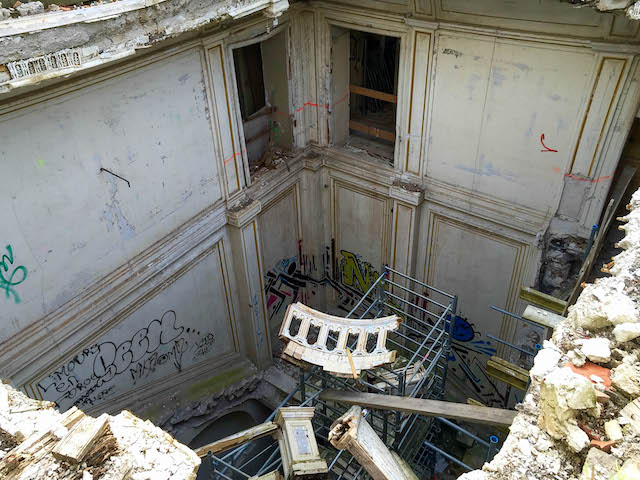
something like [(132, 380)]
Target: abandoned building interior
[(280, 239)]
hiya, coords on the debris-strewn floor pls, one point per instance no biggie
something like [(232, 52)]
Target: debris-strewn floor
[(37, 443), (581, 417)]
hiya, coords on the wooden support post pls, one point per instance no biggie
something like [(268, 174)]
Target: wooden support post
[(432, 408), (353, 433), (237, 439)]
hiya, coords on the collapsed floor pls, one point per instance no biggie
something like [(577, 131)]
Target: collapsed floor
[(37, 442)]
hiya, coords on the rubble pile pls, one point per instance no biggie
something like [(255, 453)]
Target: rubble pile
[(580, 419), (37, 442)]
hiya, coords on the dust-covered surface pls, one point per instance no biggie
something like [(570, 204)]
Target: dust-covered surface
[(48, 44), (580, 419), (127, 448), (630, 7)]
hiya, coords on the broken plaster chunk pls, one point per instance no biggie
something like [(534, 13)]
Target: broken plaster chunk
[(599, 464), (577, 358), (603, 304), (625, 332), (630, 470), (563, 394), (576, 438), (597, 349), (613, 430), (30, 8), (626, 377), (544, 362)]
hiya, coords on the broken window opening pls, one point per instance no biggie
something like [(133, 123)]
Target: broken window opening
[(263, 94), (365, 69)]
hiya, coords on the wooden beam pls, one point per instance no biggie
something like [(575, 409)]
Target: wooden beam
[(367, 92), (373, 131), (236, 439), (352, 432), (543, 300), (431, 408), (508, 373), (75, 445)]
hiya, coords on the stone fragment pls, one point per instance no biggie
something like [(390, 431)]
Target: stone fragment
[(563, 394), (4, 13), (577, 358), (598, 464), (603, 304), (30, 8), (613, 430), (630, 470), (576, 438), (626, 377), (544, 362), (625, 332), (597, 349)]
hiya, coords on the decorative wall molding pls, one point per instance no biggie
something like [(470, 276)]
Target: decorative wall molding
[(103, 305)]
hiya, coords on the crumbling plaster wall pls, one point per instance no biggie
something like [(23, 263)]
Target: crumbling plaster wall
[(579, 423)]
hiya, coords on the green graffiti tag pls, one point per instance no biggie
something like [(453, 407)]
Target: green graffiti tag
[(8, 284)]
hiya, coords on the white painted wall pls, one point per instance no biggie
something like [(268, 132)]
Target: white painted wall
[(103, 260), (69, 224)]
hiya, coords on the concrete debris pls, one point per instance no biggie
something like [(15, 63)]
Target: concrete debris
[(613, 430), (39, 443), (626, 377), (563, 395), (4, 13), (608, 305), (576, 357), (626, 332), (580, 419), (597, 349), (31, 8), (546, 361), (599, 465), (630, 470)]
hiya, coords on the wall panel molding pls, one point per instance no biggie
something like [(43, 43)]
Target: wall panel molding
[(605, 93)]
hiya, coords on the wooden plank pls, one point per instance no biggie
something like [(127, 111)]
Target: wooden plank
[(76, 444), (508, 372), (542, 300), (431, 408), (237, 439), (72, 416), (367, 92), (373, 131)]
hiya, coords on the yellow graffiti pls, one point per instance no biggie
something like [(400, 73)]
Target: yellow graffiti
[(356, 274)]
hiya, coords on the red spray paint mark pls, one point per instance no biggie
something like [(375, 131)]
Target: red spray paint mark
[(595, 180), (547, 149), (231, 157), (307, 104)]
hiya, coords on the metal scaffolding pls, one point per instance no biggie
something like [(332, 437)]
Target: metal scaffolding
[(423, 343)]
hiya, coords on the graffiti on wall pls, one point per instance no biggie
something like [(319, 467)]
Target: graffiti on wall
[(11, 276), (161, 344), (469, 353), (299, 278)]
